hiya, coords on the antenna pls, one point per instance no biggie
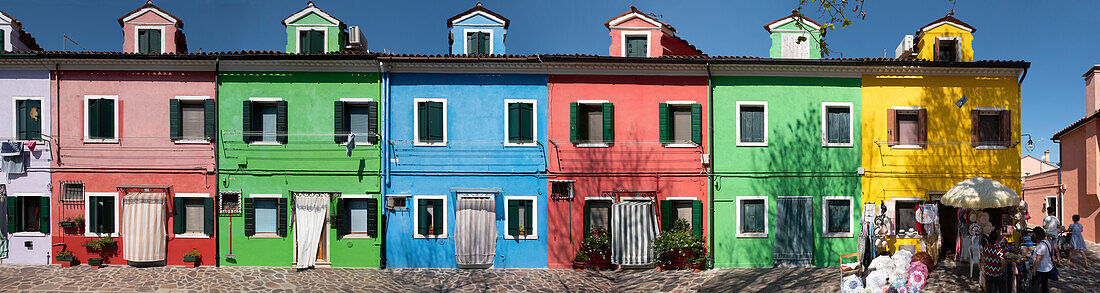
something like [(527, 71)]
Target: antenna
[(66, 37)]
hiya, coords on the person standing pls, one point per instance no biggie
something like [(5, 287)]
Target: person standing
[(1043, 264), (1077, 241), (993, 253), (1053, 228)]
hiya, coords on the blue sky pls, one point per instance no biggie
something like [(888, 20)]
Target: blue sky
[(1053, 35)]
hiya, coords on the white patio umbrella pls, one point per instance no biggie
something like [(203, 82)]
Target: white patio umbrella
[(980, 193)]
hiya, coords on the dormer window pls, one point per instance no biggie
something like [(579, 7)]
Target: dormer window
[(479, 42), (947, 49), (150, 40), (636, 45), (311, 40)]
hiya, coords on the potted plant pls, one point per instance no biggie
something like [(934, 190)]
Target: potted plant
[(192, 257), (101, 243), (79, 221), (67, 223), (64, 257), (598, 247), (522, 231), (95, 262), (579, 259), (431, 230), (676, 248)]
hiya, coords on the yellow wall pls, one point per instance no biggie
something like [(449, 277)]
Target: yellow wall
[(927, 42), (948, 158)]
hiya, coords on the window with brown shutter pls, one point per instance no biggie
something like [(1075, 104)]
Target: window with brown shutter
[(990, 128), (907, 128)]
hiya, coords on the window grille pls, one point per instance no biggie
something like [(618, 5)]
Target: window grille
[(561, 189), (229, 202), (72, 191), (397, 202)]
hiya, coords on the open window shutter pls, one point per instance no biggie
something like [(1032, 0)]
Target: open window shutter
[(44, 214), (209, 113), (107, 118), (891, 127), (608, 123), (975, 127), (246, 121), (372, 216), (248, 208), (526, 122), (13, 218), (343, 217), (282, 217), (303, 42), (696, 218), (154, 41), (485, 43), (339, 130), (662, 122), (280, 121), (1006, 128), (317, 41), (372, 122), (34, 124), (697, 123), (513, 122), (422, 121), (93, 215), (174, 119), (93, 118), (667, 218), (471, 43), (513, 217), (587, 219), (208, 213), (22, 117), (424, 221), (438, 220), (178, 216), (922, 126), (573, 127), (529, 214), (435, 121), (110, 208)]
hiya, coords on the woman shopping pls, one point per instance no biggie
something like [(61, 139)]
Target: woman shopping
[(1042, 262)]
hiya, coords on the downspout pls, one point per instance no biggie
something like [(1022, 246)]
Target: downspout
[(217, 181), (56, 105), (383, 92), (710, 169), (1061, 189)]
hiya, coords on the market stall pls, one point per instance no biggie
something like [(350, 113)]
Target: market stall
[(985, 205)]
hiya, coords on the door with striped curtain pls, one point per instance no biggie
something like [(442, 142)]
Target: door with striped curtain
[(633, 228)]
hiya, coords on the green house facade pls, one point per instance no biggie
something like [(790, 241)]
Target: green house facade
[(786, 155), (312, 30)]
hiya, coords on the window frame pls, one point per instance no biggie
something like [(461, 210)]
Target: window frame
[(416, 122), (137, 36), (274, 197), (674, 200), (254, 113), (194, 235), (898, 129), (825, 123), (15, 115), (363, 197), (610, 207), (416, 216), (602, 143), (532, 232), (191, 99), (648, 41), (1000, 111), (737, 115), (572, 188), (298, 33), (737, 217), (466, 39), (896, 212), (670, 117), (958, 48), (534, 122), (1046, 205), (825, 217), (395, 208), (31, 233), (87, 213), (87, 131), (357, 102)]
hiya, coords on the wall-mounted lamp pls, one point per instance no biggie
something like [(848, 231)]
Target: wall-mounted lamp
[(1030, 143)]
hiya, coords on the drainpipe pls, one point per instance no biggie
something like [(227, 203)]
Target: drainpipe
[(710, 176), (383, 92), (217, 181), (1061, 189)]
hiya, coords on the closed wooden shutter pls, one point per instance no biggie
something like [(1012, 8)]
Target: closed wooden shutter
[(30, 127), (175, 124), (697, 123), (93, 214), (438, 216), (44, 214), (178, 216), (484, 43), (696, 218), (303, 42), (107, 204), (975, 127), (248, 209), (343, 218), (668, 217), (528, 217), (107, 118), (1006, 128), (513, 122), (152, 41), (513, 217), (246, 122), (424, 220), (210, 115), (280, 122), (608, 123), (93, 118), (372, 122), (208, 216), (471, 43), (13, 215), (891, 127), (339, 129), (575, 133), (435, 122), (662, 123), (282, 217), (922, 126), (372, 217), (143, 41), (587, 219), (316, 41)]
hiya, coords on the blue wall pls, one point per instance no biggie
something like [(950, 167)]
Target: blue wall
[(475, 157), (479, 22)]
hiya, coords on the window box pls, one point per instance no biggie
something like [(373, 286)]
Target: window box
[(67, 224), (95, 262), (190, 258), (64, 258)]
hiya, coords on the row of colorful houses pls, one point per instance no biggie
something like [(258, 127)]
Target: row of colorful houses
[(330, 155)]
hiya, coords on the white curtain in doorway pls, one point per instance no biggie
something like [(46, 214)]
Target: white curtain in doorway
[(633, 228), (143, 227), (475, 230), (310, 210)]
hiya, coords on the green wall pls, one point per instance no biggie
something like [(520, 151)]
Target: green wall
[(335, 34), (793, 164), (310, 161), (777, 40)]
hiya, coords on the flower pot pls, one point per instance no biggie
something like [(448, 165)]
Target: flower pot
[(95, 262), (63, 258), (190, 259), (578, 265), (67, 224)]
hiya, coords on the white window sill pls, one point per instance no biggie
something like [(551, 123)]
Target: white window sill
[(421, 236), (191, 141), (530, 144), (430, 144), (100, 140), (30, 140), (357, 143), (991, 147), (357, 236), (528, 237), (681, 145), (837, 235), (752, 235), (95, 235), (752, 144), (837, 145), (28, 234), (907, 147), (593, 145), (265, 143), (266, 235), (193, 236)]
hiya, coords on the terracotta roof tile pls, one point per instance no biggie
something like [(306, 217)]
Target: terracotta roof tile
[(1076, 124), (794, 13), (635, 10)]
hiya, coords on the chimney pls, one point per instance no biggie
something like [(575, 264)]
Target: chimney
[(1092, 104), (1046, 156)]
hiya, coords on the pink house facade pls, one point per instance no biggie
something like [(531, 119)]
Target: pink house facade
[(1080, 146), (637, 34), (150, 29)]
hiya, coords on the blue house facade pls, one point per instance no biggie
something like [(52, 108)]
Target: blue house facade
[(478, 31), (467, 182)]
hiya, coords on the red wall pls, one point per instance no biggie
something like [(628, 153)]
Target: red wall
[(144, 155), (636, 161), (1079, 151)]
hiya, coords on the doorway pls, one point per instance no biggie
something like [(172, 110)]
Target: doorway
[(475, 230), (794, 237), (949, 229)]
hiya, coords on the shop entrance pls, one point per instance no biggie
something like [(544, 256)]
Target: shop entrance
[(949, 229)]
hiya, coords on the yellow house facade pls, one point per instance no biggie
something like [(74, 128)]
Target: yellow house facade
[(929, 127)]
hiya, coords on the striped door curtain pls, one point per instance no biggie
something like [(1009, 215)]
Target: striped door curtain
[(633, 228), (143, 231), (475, 230)]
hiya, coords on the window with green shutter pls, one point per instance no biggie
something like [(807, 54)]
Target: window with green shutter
[(311, 41), (521, 122), (520, 218), (188, 119), (478, 43), (752, 213), (679, 124), (192, 215), (101, 118), (357, 217), (101, 215), (431, 122), (28, 119), (592, 124), (149, 41), (752, 123), (28, 214), (637, 46), (430, 216)]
